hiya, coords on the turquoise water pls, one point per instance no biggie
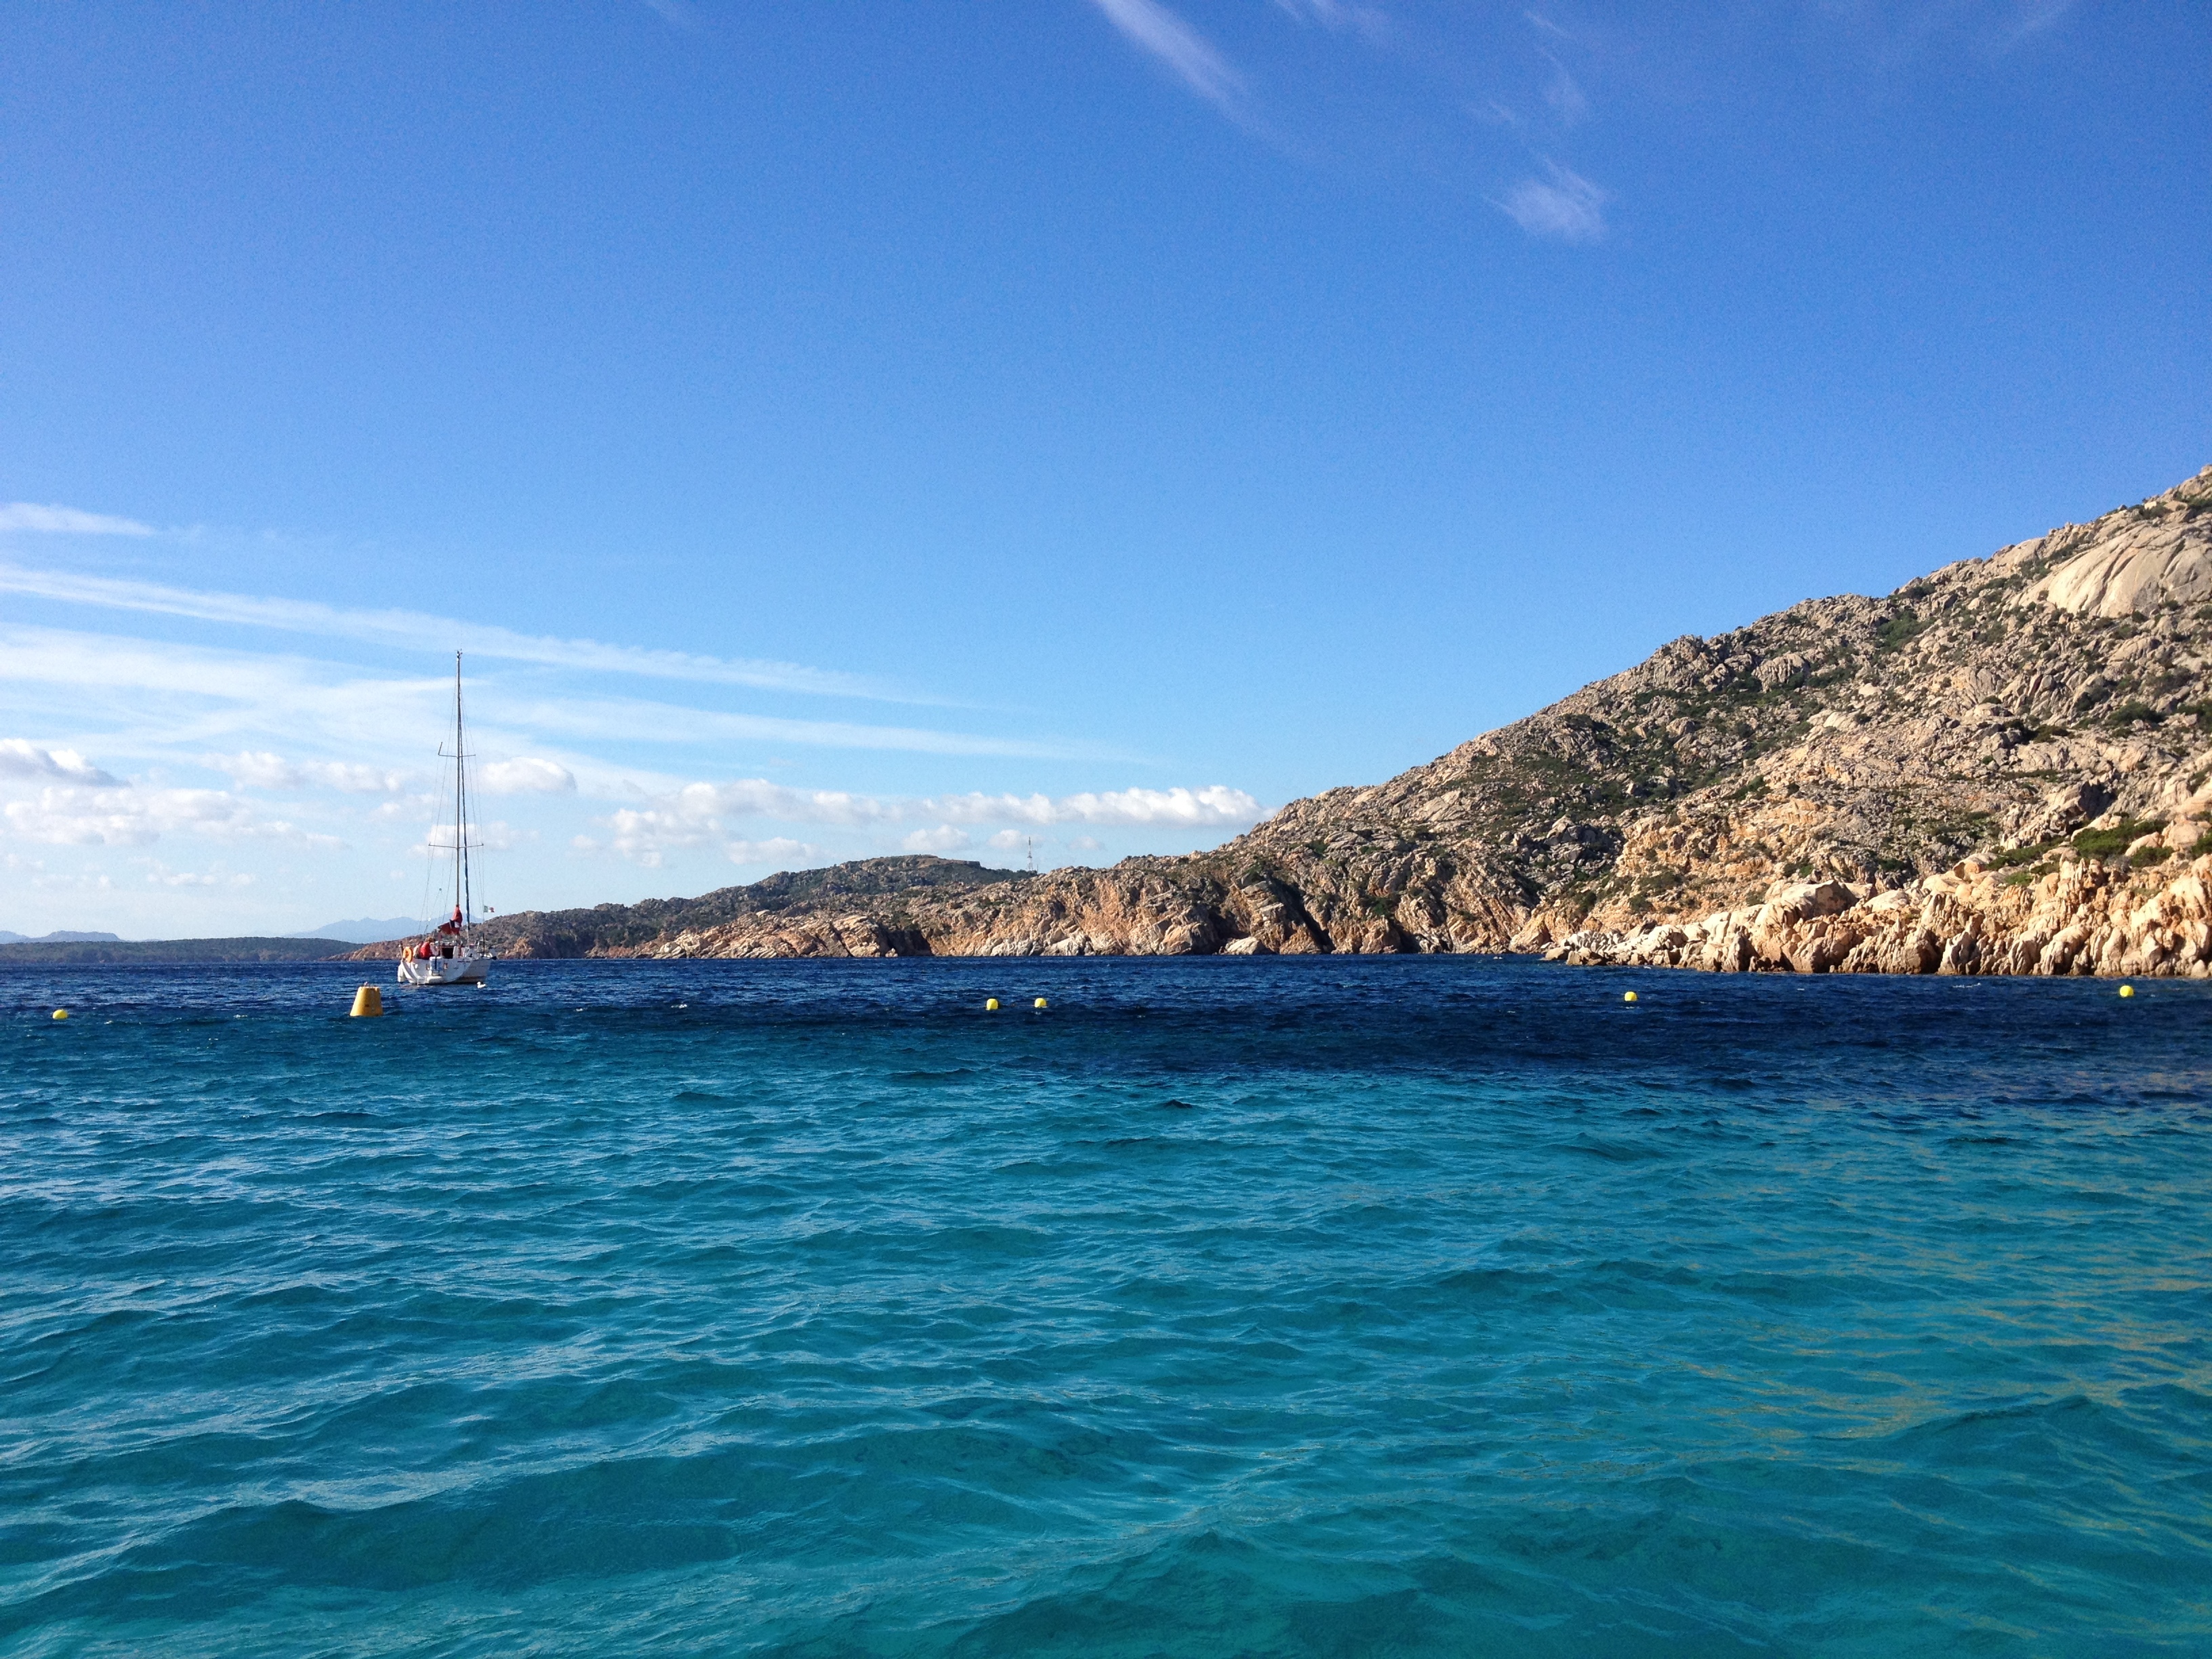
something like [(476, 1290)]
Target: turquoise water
[(1227, 1307)]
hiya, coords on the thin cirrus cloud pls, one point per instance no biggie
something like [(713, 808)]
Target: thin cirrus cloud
[(54, 519), (1567, 99), (202, 696), (1563, 205), (410, 628), (1560, 205), (1165, 36), (586, 720)]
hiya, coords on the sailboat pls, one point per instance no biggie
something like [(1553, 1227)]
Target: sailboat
[(447, 954)]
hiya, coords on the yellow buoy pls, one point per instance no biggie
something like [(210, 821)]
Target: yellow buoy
[(368, 1003), (2127, 990), (1042, 1003), (990, 1005), (61, 1013), (1628, 996)]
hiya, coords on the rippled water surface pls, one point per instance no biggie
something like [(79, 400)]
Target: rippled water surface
[(1225, 1307)]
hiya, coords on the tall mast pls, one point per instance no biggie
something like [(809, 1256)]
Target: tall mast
[(460, 804)]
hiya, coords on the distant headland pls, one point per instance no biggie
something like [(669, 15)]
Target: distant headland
[(111, 953)]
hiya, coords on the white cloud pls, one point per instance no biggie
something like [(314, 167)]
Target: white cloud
[(692, 815), (412, 630), (1216, 805), (20, 758), (67, 520), (1007, 841), (1154, 29), (777, 849), (496, 836), (647, 835), (942, 838), (527, 775), (261, 770), (355, 778), (130, 816), (1563, 204), (758, 798)]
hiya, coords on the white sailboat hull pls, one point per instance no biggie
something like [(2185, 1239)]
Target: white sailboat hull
[(443, 970)]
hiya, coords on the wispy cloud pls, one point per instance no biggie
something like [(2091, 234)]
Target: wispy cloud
[(1186, 53), (1565, 96), (127, 815), (259, 769), (410, 629), (637, 721), (1562, 204), (1372, 22), (180, 696), (67, 520), (2034, 16)]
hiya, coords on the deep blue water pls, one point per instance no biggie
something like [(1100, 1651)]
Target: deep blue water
[(1343, 1307)]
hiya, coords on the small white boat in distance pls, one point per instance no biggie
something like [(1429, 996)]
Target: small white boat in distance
[(444, 957), (447, 954)]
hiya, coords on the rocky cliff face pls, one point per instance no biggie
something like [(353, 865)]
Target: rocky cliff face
[(2001, 767)]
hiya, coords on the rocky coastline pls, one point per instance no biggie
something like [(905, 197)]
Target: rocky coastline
[(2004, 767)]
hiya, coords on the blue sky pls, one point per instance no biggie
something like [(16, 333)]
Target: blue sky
[(833, 428)]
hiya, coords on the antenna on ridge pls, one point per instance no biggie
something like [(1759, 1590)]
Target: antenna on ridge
[(1033, 855)]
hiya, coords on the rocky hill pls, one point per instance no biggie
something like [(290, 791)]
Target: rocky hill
[(801, 908), (2002, 767)]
